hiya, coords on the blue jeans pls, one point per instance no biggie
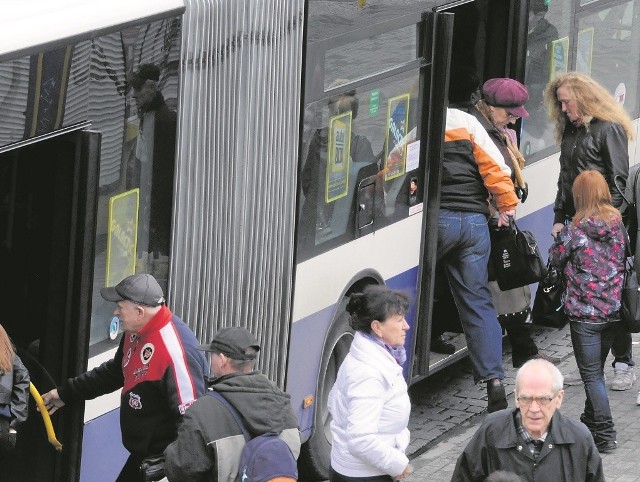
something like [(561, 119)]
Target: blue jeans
[(591, 345), (463, 253)]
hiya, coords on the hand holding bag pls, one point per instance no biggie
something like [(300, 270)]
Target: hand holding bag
[(515, 257), (630, 302), (152, 468), (548, 305)]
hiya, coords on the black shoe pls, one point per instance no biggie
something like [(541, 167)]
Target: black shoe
[(607, 446), (496, 396), (438, 345)]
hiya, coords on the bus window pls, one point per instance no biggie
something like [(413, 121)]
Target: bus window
[(137, 88), (357, 140), (607, 50), (547, 50)]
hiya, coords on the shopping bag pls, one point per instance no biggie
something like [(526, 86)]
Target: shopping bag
[(512, 306), (548, 304), (515, 257)]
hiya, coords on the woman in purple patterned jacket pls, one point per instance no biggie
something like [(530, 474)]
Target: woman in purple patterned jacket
[(591, 251)]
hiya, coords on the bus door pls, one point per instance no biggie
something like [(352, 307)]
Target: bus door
[(488, 41), (374, 111), (47, 229)]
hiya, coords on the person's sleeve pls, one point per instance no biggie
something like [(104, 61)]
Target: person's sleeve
[(469, 464), (188, 458), (615, 154), (365, 403), (558, 205), (495, 173), (103, 379), (595, 472), (20, 393), (185, 376), (560, 250)]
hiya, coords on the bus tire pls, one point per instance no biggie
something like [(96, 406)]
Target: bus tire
[(315, 455)]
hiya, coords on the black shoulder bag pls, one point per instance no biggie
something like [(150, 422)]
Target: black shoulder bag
[(515, 257)]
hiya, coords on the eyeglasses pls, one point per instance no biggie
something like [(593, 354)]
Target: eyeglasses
[(541, 401), (512, 117)]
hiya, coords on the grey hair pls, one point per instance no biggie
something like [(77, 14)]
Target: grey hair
[(557, 380)]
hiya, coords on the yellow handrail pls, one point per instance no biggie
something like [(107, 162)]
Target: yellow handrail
[(51, 433)]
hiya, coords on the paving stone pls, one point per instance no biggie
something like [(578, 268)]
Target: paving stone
[(448, 407)]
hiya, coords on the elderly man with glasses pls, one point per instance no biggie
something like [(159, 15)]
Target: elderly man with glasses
[(534, 440)]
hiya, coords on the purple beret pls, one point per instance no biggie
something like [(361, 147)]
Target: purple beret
[(507, 93)]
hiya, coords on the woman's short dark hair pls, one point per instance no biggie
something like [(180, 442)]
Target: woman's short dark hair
[(375, 303)]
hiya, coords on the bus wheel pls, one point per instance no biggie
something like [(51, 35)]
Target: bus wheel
[(315, 455)]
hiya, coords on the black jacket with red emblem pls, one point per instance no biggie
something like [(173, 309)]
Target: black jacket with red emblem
[(161, 372)]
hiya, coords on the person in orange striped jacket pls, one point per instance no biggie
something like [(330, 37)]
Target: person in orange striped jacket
[(472, 171)]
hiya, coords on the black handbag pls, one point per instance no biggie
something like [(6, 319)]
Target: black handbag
[(515, 257), (630, 302), (548, 304), (152, 468)]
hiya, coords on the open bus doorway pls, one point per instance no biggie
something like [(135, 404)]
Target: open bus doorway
[(47, 219)]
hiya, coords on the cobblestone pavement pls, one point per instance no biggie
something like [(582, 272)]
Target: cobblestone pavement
[(448, 407)]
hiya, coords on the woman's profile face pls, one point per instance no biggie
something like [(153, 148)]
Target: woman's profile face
[(501, 117), (392, 331)]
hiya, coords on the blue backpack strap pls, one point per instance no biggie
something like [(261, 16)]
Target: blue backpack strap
[(232, 411)]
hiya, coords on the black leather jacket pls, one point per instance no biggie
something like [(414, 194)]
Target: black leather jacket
[(602, 147), (14, 392)]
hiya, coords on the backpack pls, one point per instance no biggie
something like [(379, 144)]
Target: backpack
[(265, 456)]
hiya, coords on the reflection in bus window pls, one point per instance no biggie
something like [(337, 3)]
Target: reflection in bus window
[(348, 197)]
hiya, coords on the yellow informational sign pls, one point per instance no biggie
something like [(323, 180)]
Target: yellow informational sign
[(397, 124), (337, 180), (585, 50), (559, 57), (123, 236)]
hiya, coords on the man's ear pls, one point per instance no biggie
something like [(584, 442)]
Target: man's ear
[(559, 399)]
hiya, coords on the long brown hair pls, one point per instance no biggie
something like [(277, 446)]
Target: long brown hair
[(591, 197), (594, 101), (7, 352)]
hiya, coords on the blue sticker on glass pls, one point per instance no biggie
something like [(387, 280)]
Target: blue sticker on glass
[(114, 327)]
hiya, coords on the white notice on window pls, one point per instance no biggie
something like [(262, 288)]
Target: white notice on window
[(413, 155)]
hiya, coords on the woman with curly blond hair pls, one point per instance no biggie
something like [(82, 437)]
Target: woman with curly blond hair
[(14, 398), (594, 132)]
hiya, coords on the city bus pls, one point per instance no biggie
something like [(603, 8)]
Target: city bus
[(291, 156)]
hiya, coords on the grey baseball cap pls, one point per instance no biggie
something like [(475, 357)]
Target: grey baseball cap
[(141, 288), (233, 342)]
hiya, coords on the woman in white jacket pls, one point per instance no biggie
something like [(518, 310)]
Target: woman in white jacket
[(369, 402)]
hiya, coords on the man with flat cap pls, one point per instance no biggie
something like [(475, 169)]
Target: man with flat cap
[(210, 441), (157, 365)]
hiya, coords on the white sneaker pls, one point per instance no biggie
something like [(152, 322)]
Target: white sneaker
[(623, 376)]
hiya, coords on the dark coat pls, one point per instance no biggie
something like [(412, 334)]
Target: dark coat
[(569, 453), (602, 147), (210, 440), (14, 392)]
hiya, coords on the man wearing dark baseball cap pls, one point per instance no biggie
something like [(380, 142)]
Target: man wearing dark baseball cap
[(234, 342), (158, 364), (210, 440)]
